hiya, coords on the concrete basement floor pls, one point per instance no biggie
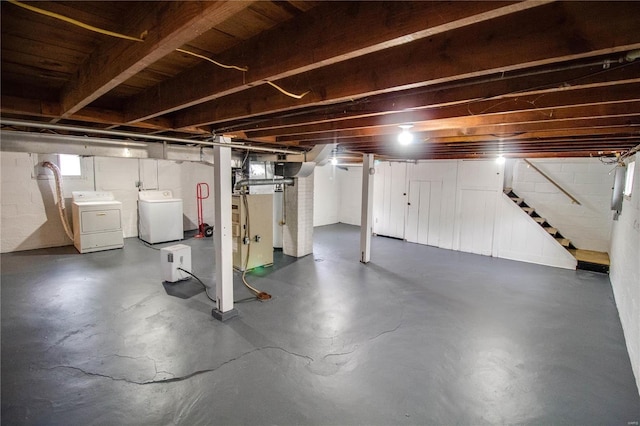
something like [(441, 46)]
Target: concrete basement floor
[(418, 336)]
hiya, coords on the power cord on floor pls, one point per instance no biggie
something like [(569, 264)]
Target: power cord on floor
[(206, 289)]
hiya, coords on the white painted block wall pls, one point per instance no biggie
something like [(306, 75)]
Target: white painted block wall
[(298, 228), (326, 195), (119, 175), (29, 213), (625, 271), (182, 178), (30, 217), (350, 193), (588, 225), (337, 195)]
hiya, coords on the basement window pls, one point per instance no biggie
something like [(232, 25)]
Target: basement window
[(69, 165), (628, 181)]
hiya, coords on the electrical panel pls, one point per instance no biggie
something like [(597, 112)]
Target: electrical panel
[(252, 230), (174, 258)]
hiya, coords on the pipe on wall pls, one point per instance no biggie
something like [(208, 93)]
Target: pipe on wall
[(255, 182), (107, 132)]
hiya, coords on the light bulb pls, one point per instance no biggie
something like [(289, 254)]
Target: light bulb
[(334, 161), (500, 159), (405, 137)]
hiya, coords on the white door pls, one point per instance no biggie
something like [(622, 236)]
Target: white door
[(423, 212), (390, 202)]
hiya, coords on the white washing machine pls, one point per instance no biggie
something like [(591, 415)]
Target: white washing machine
[(160, 216), (97, 221)]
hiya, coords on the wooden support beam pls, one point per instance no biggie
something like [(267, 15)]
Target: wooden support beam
[(506, 130), (169, 25), (489, 151), (543, 35), (330, 33), (459, 121), (44, 109), (498, 87), (533, 137), (539, 101)]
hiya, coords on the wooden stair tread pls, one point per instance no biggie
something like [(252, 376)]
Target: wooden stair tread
[(597, 257), (551, 230), (528, 210), (540, 220), (565, 242), (517, 200)]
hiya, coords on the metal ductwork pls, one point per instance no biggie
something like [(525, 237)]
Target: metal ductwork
[(320, 153), (303, 168), (291, 170)]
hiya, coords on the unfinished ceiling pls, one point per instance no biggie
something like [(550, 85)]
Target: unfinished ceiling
[(473, 79)]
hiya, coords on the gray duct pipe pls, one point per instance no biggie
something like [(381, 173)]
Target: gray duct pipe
[(256, 182)]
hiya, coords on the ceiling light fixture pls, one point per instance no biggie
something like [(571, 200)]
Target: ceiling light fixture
[(500, 159), (405, 137), (334, 161)]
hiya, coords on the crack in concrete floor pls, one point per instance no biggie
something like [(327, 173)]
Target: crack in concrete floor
[(172, 379), (204, 371)]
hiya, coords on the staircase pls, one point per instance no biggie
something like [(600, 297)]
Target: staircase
[(587, 259)]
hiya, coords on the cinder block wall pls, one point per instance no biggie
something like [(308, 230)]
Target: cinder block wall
[(337, 195), (298, 227), (29, 215), (588, 225), (326, 195), (350, 182), (625, 271)]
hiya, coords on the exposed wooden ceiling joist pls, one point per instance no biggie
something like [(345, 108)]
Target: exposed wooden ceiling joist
[(534, 115), (553, 33), (536, 82), (167, 25), (540, 78), (332, 34), (544, 103)]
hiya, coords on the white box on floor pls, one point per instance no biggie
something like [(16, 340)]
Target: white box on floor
[(172, 258)]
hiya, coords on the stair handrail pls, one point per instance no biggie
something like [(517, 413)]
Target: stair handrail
[(573, 199)]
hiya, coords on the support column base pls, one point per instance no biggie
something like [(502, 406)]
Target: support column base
[(223, 316)]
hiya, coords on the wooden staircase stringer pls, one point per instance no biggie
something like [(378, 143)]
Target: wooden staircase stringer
[(587, 259)]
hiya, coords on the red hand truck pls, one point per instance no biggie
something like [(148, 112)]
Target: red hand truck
[(204, 230)]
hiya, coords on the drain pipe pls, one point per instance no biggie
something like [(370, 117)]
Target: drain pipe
[(256, 182)]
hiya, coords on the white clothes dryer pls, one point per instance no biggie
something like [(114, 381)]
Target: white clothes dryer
[(160, 217), (97, 221)]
